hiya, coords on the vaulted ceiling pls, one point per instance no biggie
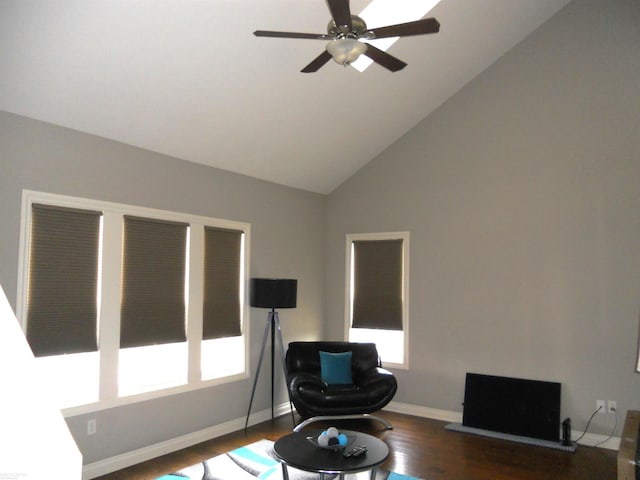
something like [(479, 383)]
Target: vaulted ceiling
[(187, 78)]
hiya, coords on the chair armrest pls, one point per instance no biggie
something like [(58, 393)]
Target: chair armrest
[(304, 379), (375, 375)]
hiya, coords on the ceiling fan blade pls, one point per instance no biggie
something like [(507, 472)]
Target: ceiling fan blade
[(419, 27), (341, 13), (310, 36), (318, 62), (383, 58)]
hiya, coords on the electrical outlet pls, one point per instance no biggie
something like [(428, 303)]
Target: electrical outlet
[(601, 406), (91, 427), (612, 406)]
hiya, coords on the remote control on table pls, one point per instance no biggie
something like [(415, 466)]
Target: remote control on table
[(356, 451)]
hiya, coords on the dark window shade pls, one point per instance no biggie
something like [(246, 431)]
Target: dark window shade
[(153, 282), (221, 309), (62, 306), (377, 301)]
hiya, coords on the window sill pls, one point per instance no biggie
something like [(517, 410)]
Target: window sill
[(395, 366), (143, 397)]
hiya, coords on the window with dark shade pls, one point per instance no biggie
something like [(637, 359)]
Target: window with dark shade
[(62, 299), (221, 308), (120, 300), (377, 289), (153, 282)]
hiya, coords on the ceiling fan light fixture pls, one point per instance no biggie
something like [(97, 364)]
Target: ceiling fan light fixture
[(346, 50)]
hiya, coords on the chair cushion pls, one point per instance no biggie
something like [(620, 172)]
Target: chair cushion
[(335, 368)]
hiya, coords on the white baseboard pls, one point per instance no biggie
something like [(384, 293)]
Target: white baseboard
[(124, 460), (425, 412), (589, 439)]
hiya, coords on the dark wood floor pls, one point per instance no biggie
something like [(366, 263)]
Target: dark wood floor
[(419, 447)]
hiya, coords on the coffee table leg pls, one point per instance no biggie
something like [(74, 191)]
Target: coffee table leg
[(373, 473), (285, 472)]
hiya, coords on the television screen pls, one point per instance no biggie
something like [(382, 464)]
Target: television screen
[(529, 408)]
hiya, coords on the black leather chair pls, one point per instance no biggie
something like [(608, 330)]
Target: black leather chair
[(373, 387)]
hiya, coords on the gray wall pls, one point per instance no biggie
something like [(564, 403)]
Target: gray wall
[(287, 230), (522, 196)]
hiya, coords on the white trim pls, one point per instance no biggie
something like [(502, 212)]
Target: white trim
[(196, 295), (143, 397), (23, 250), (425, 412), (589, 439), (347, 285), (28, 196), (109, 316), (404, 236)]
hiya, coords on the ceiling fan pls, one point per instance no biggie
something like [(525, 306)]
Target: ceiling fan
[(346, 34)]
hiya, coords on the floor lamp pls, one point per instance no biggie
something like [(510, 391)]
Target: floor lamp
[(272, 293)]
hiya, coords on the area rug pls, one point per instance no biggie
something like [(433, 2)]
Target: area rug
[(257, 461)]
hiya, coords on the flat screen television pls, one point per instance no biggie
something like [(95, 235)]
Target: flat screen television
[(529, 408)]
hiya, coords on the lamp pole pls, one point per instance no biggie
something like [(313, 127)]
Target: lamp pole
[(273, 324), (272, 316)]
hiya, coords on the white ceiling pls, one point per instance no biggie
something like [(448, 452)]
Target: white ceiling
[(188, 79)]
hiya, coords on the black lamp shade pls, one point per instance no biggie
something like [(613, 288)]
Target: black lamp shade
[(273, 292)]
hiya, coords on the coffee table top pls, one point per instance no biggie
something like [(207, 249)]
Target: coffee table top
[(296, 451)]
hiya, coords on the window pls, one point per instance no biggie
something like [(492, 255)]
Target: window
[(62, 296), (377, 292), (153, 305), (221, 314), (121, 303)]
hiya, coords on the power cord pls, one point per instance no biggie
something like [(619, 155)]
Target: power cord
[(615, 425), (589, 423)]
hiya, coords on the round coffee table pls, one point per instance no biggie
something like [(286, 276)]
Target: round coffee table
[(295, 450)]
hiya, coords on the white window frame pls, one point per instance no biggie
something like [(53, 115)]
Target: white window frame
[(348, 310), (110, 287)]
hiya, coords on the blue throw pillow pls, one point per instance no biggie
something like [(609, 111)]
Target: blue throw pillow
[(335, 368)]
